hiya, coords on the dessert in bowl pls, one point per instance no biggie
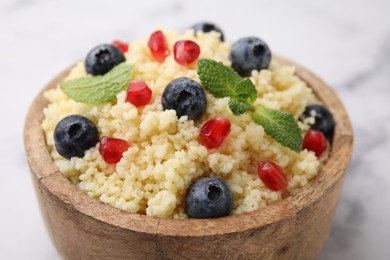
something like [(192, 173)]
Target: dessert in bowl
[(170, 135)]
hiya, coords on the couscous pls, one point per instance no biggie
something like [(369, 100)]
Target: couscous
[(162, 152)]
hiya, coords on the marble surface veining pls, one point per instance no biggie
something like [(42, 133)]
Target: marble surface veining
[(347, 43)]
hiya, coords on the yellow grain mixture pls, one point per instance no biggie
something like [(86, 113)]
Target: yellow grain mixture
[(165, 156)]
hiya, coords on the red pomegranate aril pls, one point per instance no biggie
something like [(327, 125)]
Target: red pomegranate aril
[(214, 131), (272, 175), (138, 93), (315, 141), (158, 46), (111, 149), (124, 47), (186, 52)]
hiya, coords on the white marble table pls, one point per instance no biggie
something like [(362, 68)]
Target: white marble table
[(347, 43)]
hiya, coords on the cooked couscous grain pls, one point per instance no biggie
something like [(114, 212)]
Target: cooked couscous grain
[(165, 156)]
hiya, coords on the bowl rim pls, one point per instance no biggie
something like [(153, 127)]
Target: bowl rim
[(50, 178)]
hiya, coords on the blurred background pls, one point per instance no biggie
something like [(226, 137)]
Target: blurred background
[(345, 42)]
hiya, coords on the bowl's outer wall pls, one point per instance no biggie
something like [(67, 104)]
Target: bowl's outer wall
[(294, 228)]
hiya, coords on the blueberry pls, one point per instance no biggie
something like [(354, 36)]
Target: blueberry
[(249, 53), (324, 121), (209, 198), (207, 27), (74, 135), (186, 97), (103, 58)]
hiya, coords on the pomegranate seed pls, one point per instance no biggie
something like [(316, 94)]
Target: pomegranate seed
[(214, 131), (186, 52), (124, 47), (138, 93), (158, 46), (315, 141), (111, 149), (272, 175)]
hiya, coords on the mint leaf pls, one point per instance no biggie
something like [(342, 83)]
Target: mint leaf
[(281, 126), (238, 106), (247, 91), (221, 81), (218, 79), (97, 90)]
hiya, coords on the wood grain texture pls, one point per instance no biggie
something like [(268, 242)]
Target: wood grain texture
[(85, 228)]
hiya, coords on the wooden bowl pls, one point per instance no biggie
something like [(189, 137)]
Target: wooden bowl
[(293, 228)]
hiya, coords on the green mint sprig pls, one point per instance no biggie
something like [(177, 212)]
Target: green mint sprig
[(281, 126), (222, 81), (97, 90)]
